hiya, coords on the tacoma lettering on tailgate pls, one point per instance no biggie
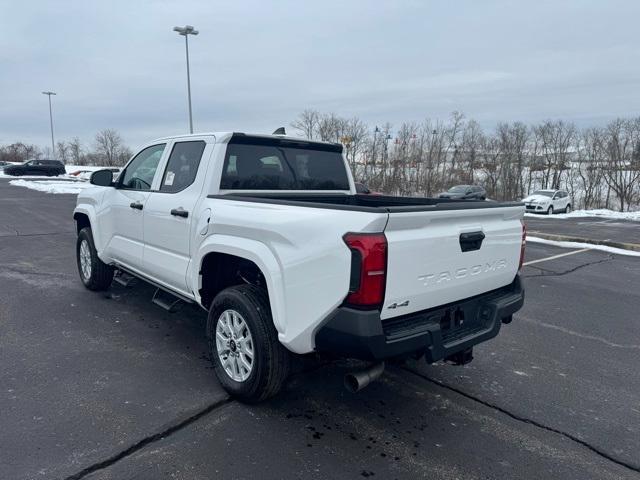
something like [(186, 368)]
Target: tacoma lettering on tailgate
[(463, 272)]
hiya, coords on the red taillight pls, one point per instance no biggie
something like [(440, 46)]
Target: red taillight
[(523, 244), (368, 269)]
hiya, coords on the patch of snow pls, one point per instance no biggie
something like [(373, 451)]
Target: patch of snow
[(599, 213), (52, 186), (591, 246)]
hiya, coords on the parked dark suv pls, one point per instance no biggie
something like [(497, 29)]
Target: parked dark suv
[(37, 167), (465, 192)]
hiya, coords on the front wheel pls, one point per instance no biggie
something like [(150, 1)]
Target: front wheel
[(248, 359), (550, 210), (94, 273)]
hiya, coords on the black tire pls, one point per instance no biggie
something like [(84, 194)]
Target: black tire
[(567, 208), (550, 210), (271, 361), (101, 274)]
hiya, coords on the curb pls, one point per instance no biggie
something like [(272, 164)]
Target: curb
[(635, 247)]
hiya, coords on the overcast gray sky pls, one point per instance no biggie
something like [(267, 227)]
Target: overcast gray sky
[(256, 64)]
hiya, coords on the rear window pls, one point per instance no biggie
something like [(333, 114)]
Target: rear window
[(273, 164)]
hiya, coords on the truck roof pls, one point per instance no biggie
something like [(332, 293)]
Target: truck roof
[(223, 136)]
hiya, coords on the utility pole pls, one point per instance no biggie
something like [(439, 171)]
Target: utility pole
[(53, 145), (185, 32)]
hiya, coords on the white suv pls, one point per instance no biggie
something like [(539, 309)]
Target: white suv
[(548, 201)]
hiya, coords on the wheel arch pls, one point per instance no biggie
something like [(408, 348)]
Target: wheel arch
[(85, 216), (82, 221), (218, 262)]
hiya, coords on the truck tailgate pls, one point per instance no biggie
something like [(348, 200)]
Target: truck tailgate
[(426, 264)]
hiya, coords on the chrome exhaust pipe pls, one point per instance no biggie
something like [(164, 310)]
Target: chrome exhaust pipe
[(356, 381)]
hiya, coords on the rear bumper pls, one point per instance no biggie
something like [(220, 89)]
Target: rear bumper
[(436, 333)]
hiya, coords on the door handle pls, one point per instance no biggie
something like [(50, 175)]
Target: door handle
[(179, 212), (471, 241), (136, 205)]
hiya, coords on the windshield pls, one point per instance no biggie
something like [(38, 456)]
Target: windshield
[(543, 192), (261, 164), (459, 189)]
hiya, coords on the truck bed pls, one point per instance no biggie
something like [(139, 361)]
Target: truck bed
[(438, 250), (364, 203)]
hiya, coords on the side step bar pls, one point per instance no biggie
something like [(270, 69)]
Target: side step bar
[(123, 278), (166, 300)]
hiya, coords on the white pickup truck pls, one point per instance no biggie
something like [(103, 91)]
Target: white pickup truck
[(267, 233)]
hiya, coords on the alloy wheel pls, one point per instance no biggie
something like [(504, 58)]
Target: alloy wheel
[(85, 259), (234, 345)]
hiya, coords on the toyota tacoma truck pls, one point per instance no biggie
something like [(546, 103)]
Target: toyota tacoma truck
[(268, 235)]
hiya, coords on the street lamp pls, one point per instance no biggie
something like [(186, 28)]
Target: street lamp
[(185, 32), (53, 148)]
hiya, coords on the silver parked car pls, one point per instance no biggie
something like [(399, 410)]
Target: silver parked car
[(548, 201)]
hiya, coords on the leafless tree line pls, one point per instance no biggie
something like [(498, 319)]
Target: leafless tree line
[(108, 149), (598, 166)]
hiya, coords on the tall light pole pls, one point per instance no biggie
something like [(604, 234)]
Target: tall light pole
[(185, 32), (53, 145)]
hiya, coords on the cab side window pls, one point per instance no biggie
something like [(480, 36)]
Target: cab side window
[(182, 166), (140, 172)]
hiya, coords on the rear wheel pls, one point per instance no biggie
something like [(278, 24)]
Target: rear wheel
[(249, 360), (550, 210), (568, 209), (94, 273)]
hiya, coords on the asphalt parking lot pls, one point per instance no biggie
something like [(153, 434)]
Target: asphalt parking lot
[(625, 231), (112, 387)]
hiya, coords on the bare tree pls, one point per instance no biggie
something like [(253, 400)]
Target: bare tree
[(109, 146), (62, 152), (472, 137), (588, 167), (621, 172), (556, 139), (19, 152), (354, 140), (307, 123), (76, 151), (512, 142), (331, 127)]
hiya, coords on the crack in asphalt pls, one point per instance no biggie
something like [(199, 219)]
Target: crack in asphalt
[(578, 334), (551, 273), (149, 440), (535, 423)]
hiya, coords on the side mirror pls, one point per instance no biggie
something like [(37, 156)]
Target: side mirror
[(102, 178)]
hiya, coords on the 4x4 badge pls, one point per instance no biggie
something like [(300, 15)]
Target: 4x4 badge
[(396, 305)]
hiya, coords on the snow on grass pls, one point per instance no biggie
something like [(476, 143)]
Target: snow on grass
[(52, 186), (591, 246), (598, 213)]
